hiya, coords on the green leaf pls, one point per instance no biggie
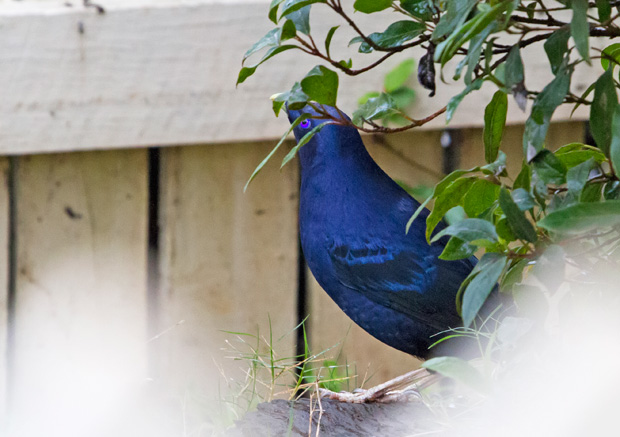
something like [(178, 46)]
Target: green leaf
[(288, 30), (580, 29), (403, 96), (517, 221), (602, 110), (514, 275), (513, 74), (576, 157), (455, 215), (459, 370), (457, 249), (447, 49), (585, 94), (449, 179), (480, 197), (494, 121), (577, 176), (591, 192), (614, 148), (456, 14), (246, 72), (303, 141), (470, 230), (447, 200), (273, 10), (604, 9), (370, 6), (552, 95), (610, 55), (582, 217), (544, 105), (474, 51), (504, 231), (417, 213), (556, 48), (395, 35), (328, 39), (375, 107), (549, 168), (422, 9), (524, 177), (612, 190), (438, 190), (397, 77), (369, 95), (295, 98), (514, 78), (346, 63), (490, 269), (290, 6), (301, 19), (271, 38), (277, 107), (523, 199), (456, 100), (321, 85), (260, 166)]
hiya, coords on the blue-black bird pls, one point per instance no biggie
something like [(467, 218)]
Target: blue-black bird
[(352, 220)]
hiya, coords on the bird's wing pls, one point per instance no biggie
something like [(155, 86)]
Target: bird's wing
[(413, 283)]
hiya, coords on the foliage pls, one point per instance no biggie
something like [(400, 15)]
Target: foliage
[(554, 225), (267, 375)]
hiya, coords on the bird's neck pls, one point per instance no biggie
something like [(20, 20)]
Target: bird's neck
[(340, 190)]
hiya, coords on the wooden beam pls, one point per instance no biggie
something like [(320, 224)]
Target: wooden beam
[(164, 73)]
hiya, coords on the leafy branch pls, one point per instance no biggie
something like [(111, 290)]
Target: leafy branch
[(563, 207)]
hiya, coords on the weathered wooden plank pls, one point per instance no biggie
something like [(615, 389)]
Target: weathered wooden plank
[(228, 261), (80, 311), (471, 149), (4, 292), (158, 73)]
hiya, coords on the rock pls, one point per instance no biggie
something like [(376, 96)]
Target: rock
[(333, 418)]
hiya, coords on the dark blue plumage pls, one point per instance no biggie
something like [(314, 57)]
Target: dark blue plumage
[(352, 222)]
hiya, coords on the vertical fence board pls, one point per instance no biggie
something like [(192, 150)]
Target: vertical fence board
[(562, 133), (472, 149), (228, 260), (4, 269), (80, 314)]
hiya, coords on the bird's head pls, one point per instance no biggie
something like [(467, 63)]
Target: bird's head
[(331, 142)]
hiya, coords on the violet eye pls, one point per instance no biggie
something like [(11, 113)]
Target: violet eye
[(304, 124)]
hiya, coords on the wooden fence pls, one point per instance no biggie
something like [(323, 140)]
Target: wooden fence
[(127, 265), (122, 261)]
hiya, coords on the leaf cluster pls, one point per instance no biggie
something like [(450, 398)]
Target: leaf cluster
[(561, 212)]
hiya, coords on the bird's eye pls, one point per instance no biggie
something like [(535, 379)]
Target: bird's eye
[(304, 124)]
